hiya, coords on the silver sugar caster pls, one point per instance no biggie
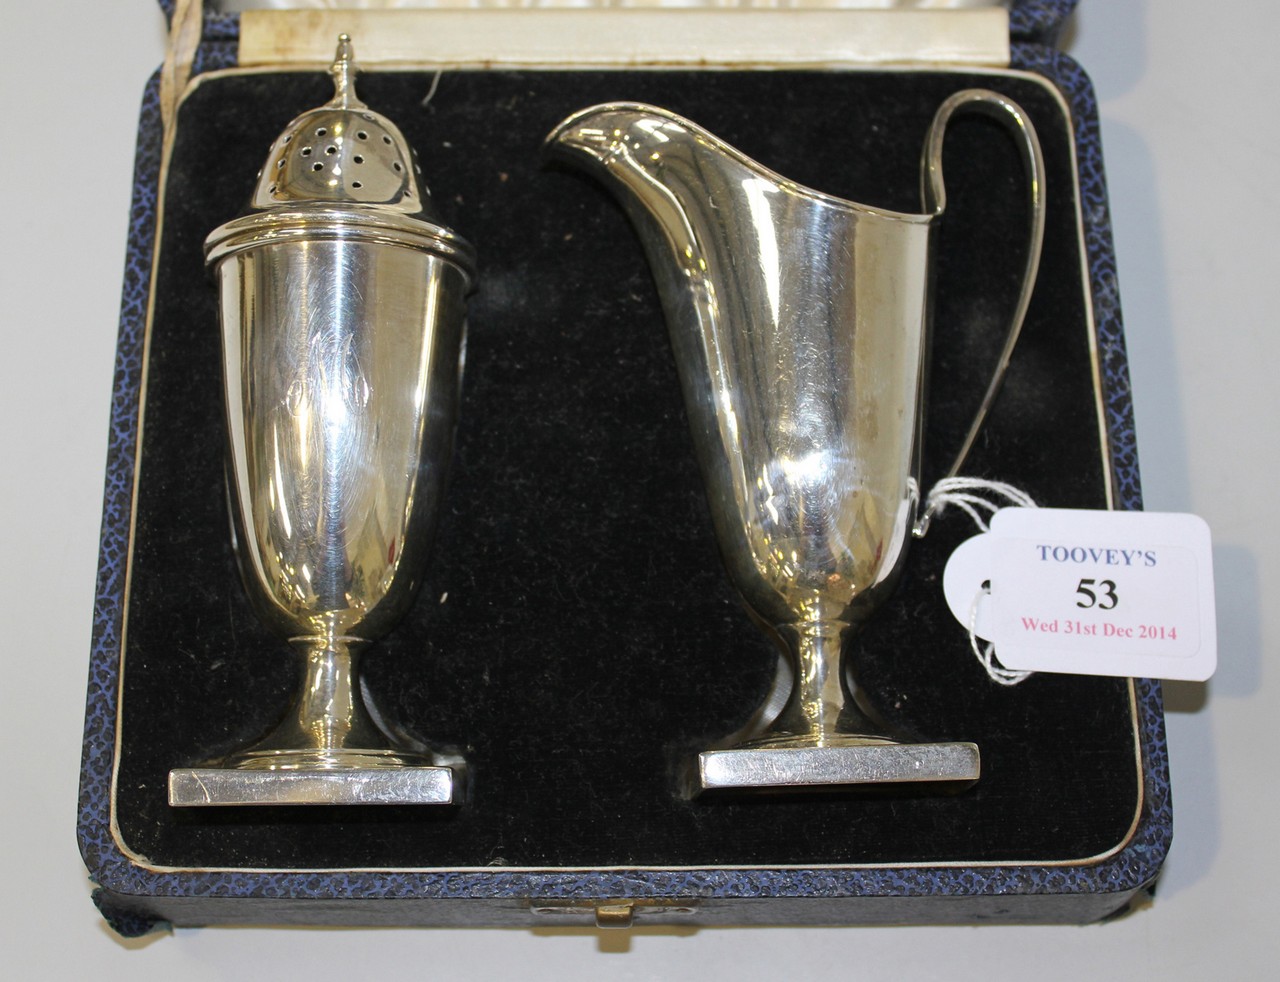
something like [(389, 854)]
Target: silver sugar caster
[(342, 301)]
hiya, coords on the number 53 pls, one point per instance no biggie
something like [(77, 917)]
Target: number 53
[(1089, 594)]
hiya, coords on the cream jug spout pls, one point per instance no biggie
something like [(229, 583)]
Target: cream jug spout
[(698, 193)]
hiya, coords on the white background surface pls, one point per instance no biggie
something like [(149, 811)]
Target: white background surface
[(1187, 93)]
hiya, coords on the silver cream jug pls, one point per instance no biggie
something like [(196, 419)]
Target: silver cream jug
[(800, 325)]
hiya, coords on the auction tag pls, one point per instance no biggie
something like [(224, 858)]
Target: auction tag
[(1125, 593)]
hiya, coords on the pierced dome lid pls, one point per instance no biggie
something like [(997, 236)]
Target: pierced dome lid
[(342, 153), (342, 171)]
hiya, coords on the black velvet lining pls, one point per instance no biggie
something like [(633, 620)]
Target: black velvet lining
[(577, 636)]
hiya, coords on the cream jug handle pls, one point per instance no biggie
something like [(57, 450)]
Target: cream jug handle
[(935, 202)]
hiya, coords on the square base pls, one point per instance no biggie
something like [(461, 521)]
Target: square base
[(210, 786), (819, 767)]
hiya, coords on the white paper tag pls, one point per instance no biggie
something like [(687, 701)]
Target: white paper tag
[(1123, 593)]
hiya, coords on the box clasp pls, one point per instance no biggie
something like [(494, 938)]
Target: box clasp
[(615, 913)]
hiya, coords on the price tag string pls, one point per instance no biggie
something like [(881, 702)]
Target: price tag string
[(959, 491), (966, 493), (985, 651)]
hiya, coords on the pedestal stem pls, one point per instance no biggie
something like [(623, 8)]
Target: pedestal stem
[(326, 751), (327, 725), (826, 737), (330, 714), (824, 704)]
